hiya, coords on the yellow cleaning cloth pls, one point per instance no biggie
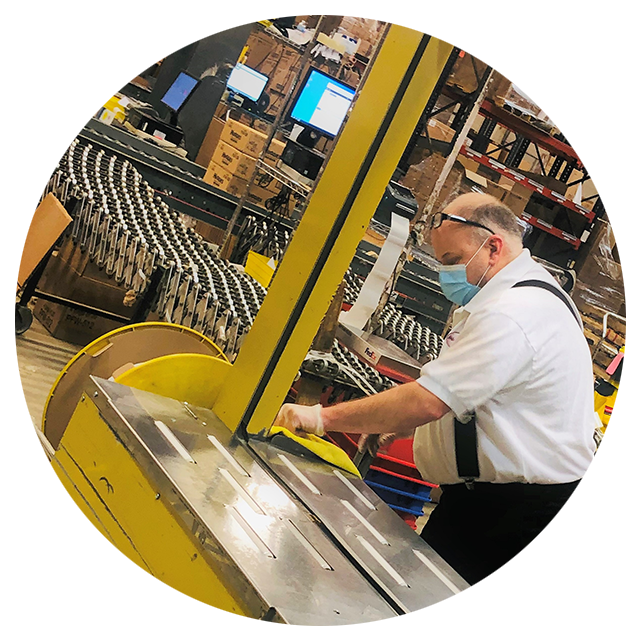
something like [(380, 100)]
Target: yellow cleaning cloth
[(327, 451)]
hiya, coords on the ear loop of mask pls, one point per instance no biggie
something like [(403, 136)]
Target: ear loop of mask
[(473, 256)]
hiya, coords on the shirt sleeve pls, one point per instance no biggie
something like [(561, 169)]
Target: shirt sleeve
[(490, 355)]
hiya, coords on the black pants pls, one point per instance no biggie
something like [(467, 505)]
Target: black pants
[(477, 531)]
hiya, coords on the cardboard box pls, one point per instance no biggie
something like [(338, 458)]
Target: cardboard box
[(210, 142), (243, 138), (515, 202), (275, 59), (259, 47), (496, 190), (209, 232), (463, 74), (233, 160), (468, 163), (152, 45), (77, 327), (37, 236), (481, 181), (70, 274), (274, 152), (439, 131), (152, 57), (223, 179)]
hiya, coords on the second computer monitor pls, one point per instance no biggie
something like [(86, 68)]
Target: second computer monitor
[(177, 94), (322, 103), (247, 82)]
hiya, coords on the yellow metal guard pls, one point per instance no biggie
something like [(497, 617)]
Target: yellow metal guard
[(373, 139)]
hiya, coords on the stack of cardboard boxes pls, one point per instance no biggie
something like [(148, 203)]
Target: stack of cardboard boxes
[(421, 179), (234, 159), (278, 61), (367, 32), (70, 274), (512, 193)]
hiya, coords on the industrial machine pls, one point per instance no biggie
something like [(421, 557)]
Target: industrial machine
[(166, 445)]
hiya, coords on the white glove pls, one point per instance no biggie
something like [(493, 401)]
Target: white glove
[(300, 418)]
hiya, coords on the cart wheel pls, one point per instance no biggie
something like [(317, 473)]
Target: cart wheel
[(24, 318)]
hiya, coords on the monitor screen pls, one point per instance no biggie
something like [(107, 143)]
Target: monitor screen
[(179, 91), (247, 82), (323, 103)]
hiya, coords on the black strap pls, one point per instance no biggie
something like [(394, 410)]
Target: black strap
[(465, 434), (466, 441), (541, 284)]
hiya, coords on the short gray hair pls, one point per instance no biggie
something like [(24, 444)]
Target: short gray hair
[(498, 217)]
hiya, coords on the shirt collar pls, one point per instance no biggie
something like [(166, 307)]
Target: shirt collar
[(504, 279)]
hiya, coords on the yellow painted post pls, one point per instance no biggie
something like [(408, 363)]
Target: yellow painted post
[(372, 141)]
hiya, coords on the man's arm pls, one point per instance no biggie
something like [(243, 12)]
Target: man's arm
[(400, 409)]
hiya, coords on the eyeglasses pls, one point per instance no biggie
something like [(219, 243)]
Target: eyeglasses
[(438, 218)]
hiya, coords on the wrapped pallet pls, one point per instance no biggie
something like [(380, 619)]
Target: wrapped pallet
[(422, 177), (530, 87), (602, 278), (472, 62)]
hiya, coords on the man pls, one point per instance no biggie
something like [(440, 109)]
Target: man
[(503, 418)]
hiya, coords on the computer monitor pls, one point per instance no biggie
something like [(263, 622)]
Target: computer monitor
[(322, 103), (177, 94), (247, 82)]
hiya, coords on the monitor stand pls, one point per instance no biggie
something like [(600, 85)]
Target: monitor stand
[(308, 138)]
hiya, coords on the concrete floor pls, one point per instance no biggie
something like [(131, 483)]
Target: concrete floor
[(595, 597)]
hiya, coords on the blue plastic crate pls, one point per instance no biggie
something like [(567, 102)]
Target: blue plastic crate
[(399, 485), (398, 501)]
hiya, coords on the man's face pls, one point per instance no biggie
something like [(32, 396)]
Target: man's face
[(456, 243)]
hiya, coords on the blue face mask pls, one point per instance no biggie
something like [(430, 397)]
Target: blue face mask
[(454, 283)]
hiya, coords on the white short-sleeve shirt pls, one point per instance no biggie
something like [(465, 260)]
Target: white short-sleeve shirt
[(519, 360)]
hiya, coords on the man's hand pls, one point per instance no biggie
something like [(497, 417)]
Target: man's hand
[(300, 418), (373, 442)]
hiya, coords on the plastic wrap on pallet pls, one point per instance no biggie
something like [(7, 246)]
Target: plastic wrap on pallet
[(600, 281), (423, 174), (472, 62), (530, 86)]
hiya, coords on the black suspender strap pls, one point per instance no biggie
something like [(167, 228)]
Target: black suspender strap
[(465, 433), (541, 284), (466, 441)]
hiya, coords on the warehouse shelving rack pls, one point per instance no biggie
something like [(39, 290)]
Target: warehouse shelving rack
[(585, 133)]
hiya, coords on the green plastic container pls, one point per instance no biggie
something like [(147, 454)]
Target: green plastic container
[(612, 496)]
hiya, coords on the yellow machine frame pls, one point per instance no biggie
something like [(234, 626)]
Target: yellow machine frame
[(376, 134)]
